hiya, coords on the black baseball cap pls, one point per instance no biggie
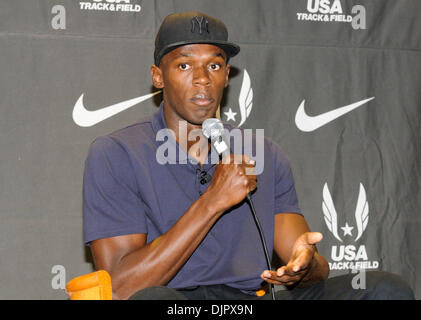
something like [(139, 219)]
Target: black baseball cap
[(179, 29)]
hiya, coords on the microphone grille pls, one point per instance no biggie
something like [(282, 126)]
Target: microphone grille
[(212, 128)]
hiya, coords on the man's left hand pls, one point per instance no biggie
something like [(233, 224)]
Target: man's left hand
[(299, 264)]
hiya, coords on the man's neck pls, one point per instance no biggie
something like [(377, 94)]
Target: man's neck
[(190, 138)]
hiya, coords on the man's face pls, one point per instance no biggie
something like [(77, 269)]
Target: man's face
[(193, 78)]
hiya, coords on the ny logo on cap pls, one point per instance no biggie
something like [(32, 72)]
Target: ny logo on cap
[(199, 23)]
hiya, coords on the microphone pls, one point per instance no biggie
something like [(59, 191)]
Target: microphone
[(213, 129)]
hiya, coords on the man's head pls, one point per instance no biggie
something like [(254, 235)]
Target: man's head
[(191, 55)]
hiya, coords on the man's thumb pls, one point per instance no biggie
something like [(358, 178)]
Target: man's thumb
[(313, 237)]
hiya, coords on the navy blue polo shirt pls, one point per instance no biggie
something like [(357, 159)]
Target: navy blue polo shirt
[(127, 191)]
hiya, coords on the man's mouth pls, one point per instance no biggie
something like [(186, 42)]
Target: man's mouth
[(202, 99)]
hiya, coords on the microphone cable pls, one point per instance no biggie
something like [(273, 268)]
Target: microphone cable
[(205, 178), (212, 129), (262, 238)]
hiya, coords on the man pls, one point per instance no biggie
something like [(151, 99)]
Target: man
[(163, 232)]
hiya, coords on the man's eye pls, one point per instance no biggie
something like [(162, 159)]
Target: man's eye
[(183, 66), (215, 66)]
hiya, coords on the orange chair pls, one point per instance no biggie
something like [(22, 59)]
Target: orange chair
[(91, 286)]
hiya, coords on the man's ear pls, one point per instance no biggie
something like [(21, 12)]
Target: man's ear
[(157, 79), (228, 68)]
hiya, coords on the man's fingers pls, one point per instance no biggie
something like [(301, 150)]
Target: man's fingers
[(248, 166), (281, 271), (313, 237), (301, 262), (248, 161), (241, 159), (272, 277)]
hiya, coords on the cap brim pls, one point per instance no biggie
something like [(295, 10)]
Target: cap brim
[(231, 49)]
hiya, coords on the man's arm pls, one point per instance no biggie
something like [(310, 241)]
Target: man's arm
[(133, 264), (296, 247)]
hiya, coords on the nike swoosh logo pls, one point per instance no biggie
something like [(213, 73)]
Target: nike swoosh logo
[(85, 118), (308, 123)]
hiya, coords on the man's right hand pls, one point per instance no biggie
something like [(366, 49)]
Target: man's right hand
[(232, 180)]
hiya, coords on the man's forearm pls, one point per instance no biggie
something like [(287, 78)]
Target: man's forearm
[(157, 262)]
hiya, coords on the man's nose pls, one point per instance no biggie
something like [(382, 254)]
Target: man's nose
[(201, 76)]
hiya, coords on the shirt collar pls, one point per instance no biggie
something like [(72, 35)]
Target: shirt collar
[(180, 156), (158, 119)]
